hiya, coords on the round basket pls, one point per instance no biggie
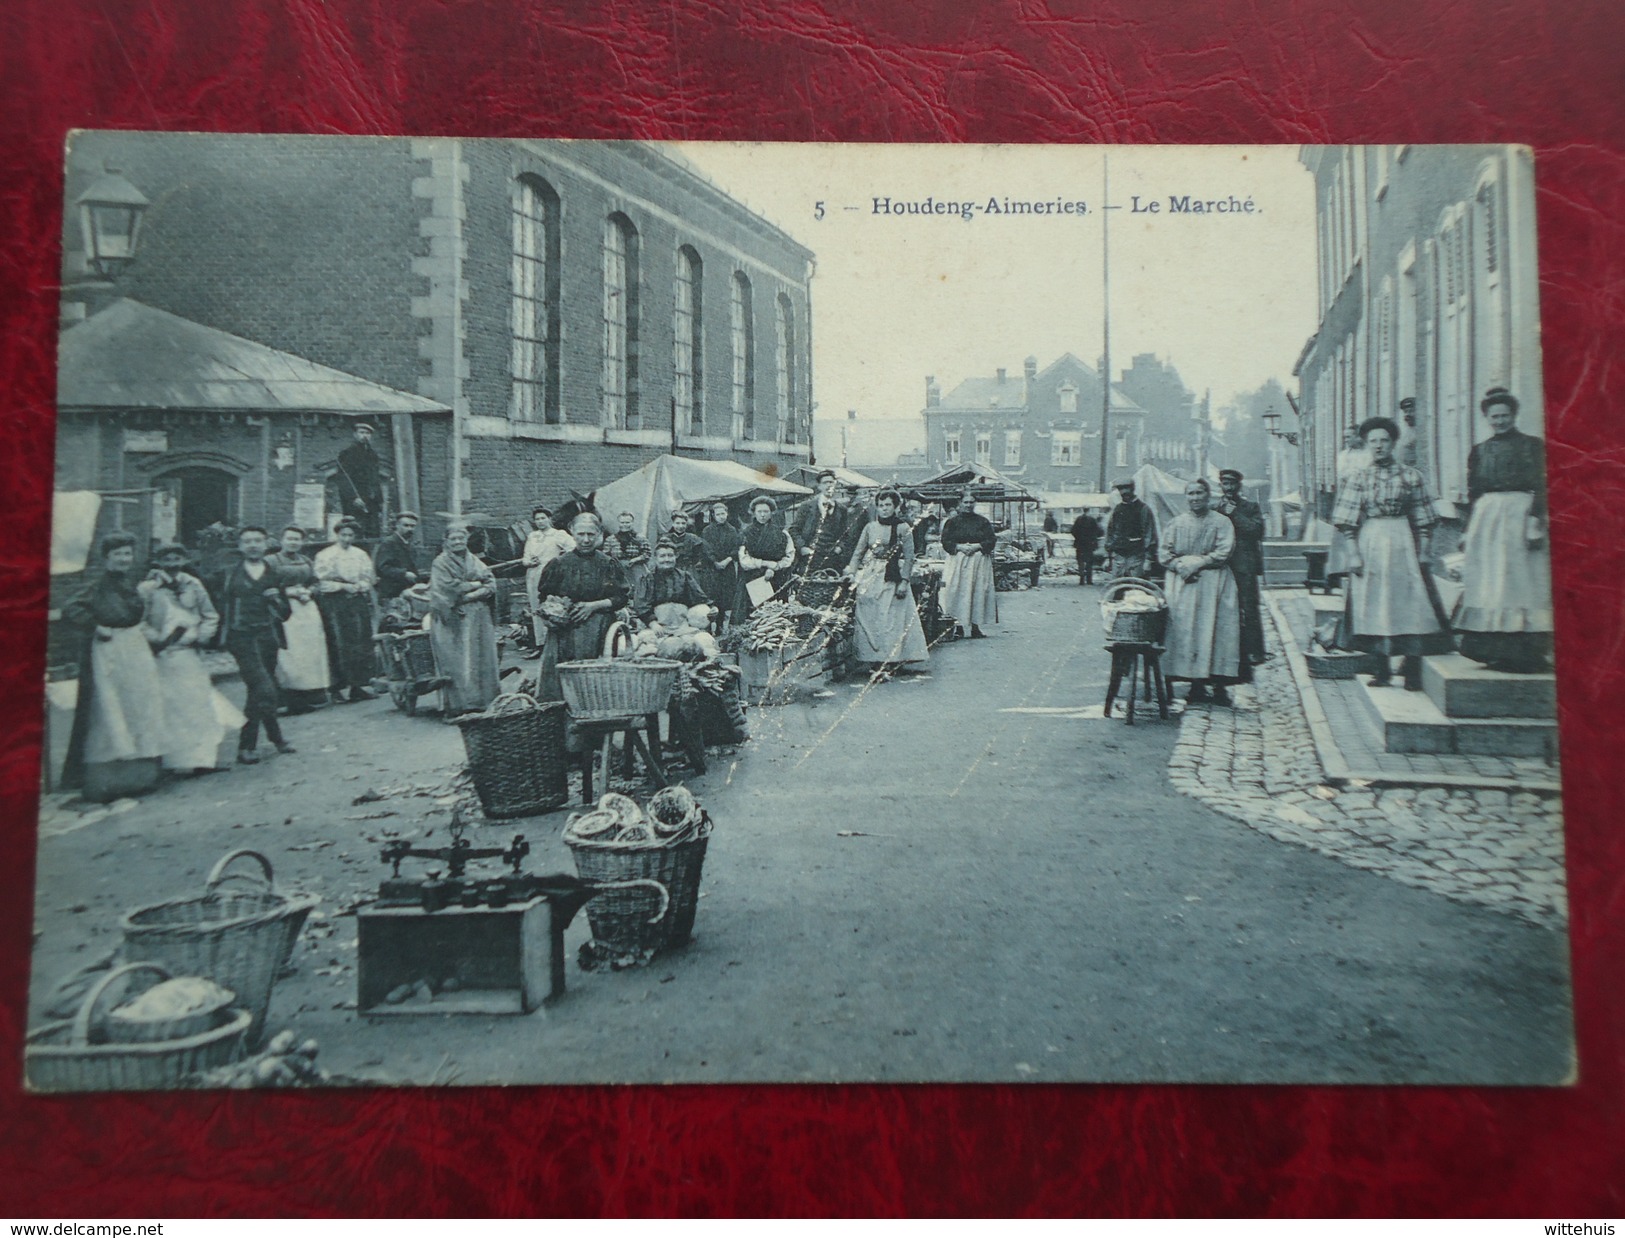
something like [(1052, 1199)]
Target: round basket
[(1137, 627), (239, 938), (130, 1029), (628, 922), (72, 1056), (517, 758), (821, 592), (617, 687)]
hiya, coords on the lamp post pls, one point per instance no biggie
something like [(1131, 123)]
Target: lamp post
[(110, 214), (1272, 423)]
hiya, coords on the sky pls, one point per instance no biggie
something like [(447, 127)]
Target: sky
[(1229, 297)]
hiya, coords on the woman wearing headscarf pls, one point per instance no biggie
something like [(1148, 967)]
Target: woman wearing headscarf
[(118, 723), (180, 617), (302, 669), (1386, 511), (719, 567), (461, 589), (1505, 613), (580, 593), (765, 550), (887, 627)]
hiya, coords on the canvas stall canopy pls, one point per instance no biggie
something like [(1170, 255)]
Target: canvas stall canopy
[(667, 483), (808, 473)]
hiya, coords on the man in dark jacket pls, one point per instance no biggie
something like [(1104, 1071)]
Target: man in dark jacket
[(819, 528), (252, 611), (1246, 562), (361, 483), (398, 559), (1085, 539), (1131, 534)]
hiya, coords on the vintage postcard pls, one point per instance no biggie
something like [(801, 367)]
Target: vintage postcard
[(554, 612)]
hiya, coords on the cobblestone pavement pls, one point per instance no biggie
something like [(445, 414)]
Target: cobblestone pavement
[(1257, 764)]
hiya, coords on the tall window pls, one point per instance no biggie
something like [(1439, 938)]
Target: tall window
[(1122, 450), (620, 323), (984, 447), (950, 443), (534, 311), (742, 333), (785, 321), (688, 387), (1012, 448), (1069, 398), (1066, 448)]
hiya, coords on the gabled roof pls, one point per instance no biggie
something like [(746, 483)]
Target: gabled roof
[(987, 394), (134, 356)]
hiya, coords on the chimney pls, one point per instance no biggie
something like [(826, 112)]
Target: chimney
[(851, 414), (1001, 373), (933, 393), (1029, 367)]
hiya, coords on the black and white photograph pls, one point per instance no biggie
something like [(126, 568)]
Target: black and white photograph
[(530, 612)]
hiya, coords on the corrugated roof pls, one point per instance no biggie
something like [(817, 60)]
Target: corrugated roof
[(134, 356)]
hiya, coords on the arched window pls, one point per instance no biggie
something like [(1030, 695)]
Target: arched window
[(620, 377), (742, 333), (785, 320), (688, 386), (535, 302)]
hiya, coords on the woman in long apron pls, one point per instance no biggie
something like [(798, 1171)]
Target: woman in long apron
[(464, 636), (765, 552), (1505, 613), (179, 619), (1393, 607), (302, 669), (118, 721), (887, 629)]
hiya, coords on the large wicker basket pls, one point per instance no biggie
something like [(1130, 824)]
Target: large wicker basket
[(617, 687), (625, 922), (239, 938), (73, 1055), (822, 592), (1133, 627), (517, 758)]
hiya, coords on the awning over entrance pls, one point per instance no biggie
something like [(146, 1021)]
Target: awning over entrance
[(132, 356)]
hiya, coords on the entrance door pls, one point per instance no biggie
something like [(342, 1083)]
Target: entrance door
[(203, 496)]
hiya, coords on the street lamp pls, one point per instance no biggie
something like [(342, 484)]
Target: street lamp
[(1272, 423), (110, 214)]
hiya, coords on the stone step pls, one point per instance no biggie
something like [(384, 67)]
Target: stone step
[(1409, 722), (1462, 688)]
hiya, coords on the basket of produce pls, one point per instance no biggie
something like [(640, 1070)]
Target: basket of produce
[(240, 938), (617, 687), (1341, 663), (77, 1055), (646, 866), (1134, 611), (516, 755), (170, 1010)]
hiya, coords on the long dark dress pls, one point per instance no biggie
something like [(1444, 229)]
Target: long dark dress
[(593, 577), (1505, 613), (762, 544), (118, 722), (464, 638), (721, 542)]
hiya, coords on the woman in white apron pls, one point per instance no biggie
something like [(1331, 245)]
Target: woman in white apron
[(180, 619), (302, 669), (1386, 511)]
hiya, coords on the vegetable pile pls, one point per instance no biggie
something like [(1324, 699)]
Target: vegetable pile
[(286, 1062)]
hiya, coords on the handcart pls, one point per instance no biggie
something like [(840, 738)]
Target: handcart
[(410, 666)]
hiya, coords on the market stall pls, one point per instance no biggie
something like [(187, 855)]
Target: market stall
[(670, 483)]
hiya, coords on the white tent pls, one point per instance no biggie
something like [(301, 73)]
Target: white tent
[(667, 483), (846, 477)]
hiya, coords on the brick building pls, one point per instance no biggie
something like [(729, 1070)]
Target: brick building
[(1428, 293), (529, 317), (1041, 429)]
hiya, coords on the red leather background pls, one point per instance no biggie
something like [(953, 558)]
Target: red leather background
[(1545, 72)]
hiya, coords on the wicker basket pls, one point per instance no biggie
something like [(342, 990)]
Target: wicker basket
[(517, 758), (618, 687), (820, 592), (240, 939), (627, 921), (1341, 663), (1136, 627), (70, 1056), (131, 1029)]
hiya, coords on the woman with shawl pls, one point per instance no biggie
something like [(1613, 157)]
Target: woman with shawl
[(180, 617), (462, 633), (887, 626), (580, 592), (1204, 606), (302, 669), (118, 722), (764, 551), (719, 562), (968, 542)]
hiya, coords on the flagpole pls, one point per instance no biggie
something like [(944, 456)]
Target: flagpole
[(1106, 315)]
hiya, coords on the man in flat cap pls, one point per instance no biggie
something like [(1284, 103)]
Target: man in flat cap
[(1246, 561), (361, 483), (1131, 533)]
